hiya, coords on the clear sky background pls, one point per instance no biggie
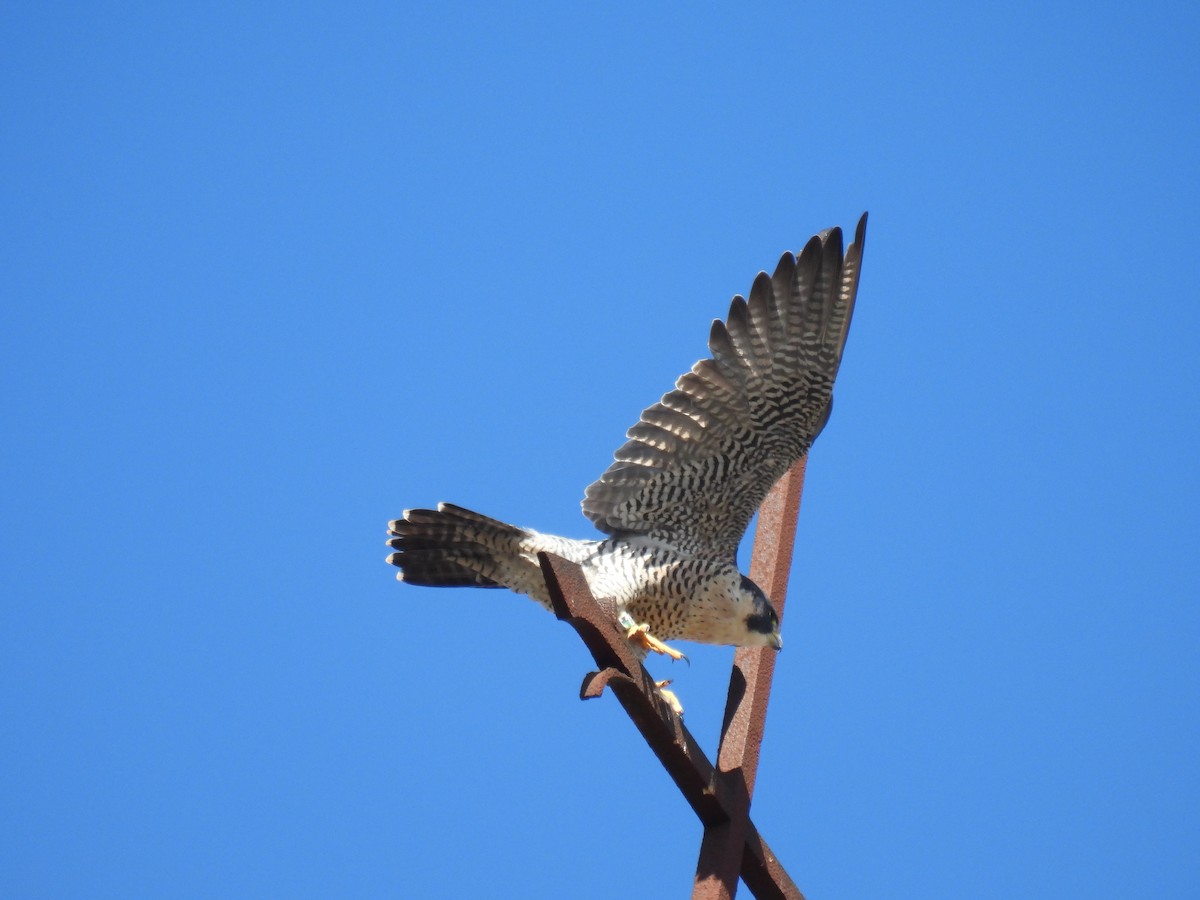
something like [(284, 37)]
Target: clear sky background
[(272, 274)]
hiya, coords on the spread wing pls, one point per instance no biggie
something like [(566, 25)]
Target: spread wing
[(700, 461)]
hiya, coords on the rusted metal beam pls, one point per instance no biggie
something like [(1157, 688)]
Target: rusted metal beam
[(764, 873), (632, 685), (719, 802), (722, 853)]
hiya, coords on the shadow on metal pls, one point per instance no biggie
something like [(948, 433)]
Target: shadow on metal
[(721, 794)]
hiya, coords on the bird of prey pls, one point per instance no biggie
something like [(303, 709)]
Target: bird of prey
[(680, 493)]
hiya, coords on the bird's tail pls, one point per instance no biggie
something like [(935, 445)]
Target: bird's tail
[(454, 547)]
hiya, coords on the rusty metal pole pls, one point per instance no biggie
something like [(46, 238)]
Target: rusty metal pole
[(723, 849)]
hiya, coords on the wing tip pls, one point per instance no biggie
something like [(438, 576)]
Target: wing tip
[(860, 232)]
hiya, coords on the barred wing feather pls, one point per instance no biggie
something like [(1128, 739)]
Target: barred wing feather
[(700, 461)]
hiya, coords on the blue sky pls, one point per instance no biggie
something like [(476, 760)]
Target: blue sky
[(273, 274)]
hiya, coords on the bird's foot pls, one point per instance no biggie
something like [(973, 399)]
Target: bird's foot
[(669, 696), (640, 635)]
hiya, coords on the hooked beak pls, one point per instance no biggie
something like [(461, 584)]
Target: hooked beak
[(775, 640)]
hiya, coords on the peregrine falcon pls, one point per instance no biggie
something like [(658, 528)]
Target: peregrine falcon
[(680, 493)]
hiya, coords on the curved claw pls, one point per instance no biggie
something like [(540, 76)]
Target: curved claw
[(669, 696)]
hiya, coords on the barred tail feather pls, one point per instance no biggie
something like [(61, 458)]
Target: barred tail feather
[(452, 547)]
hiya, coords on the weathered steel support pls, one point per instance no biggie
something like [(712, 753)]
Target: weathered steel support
[(720, 860)]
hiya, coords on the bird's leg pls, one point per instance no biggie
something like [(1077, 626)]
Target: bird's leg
[(641, 636)]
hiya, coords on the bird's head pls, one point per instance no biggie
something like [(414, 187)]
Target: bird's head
[(759, 616)]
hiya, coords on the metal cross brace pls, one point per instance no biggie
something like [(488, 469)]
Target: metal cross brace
[(720, 795)]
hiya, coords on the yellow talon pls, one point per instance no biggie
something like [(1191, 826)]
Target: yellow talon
[(640, 634)]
